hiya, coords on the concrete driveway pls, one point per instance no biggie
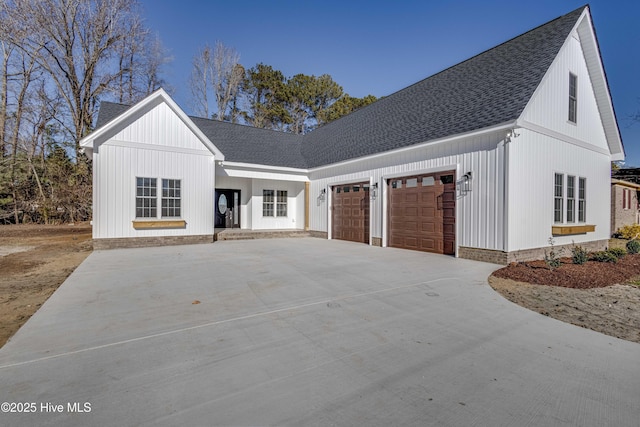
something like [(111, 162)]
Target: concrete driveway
[(305, 332)]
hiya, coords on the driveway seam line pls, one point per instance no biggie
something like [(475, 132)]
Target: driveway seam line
[(221, 322)]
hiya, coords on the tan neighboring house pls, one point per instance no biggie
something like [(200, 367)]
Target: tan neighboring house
[(624, 203)]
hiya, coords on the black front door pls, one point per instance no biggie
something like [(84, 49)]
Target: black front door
[(227, 208)]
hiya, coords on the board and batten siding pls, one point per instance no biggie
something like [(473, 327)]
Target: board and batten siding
[(479, 213), (295, 205), (156, 144), (549, 107), (534, 159), (549, 143)]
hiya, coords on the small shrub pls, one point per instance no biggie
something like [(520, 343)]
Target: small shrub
[(552, 259), (633, 246), (628, 232), (617, 252), (579, 255), (604, 256)]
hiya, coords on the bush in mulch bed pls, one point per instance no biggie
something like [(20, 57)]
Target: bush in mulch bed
[(591, 274)]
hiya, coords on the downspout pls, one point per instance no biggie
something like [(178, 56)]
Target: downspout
[(505, 193), (307, 188)]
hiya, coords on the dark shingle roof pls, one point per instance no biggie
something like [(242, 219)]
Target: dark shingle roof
[(108, 111), (491, 88), (246, 144), (488, 89)]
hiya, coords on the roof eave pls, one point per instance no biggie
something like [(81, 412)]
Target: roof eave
[(88, 142), (593, 58), (495, 128)]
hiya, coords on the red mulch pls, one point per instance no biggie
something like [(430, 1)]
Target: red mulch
[(592, 274)]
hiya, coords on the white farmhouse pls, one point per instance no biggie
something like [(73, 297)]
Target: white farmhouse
[(485, 160)]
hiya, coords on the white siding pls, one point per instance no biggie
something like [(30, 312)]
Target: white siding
[(295, 205), (156, 144), (534, 158), (160, 126), (479, 213), (549, 107)]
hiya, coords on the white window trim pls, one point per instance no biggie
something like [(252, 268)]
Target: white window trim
[(274, 203), (565, 198), (573, 100), (159, 198)]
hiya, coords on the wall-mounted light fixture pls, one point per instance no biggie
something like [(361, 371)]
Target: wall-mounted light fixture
[(374, 191), (464, 184), (323, 194), (511, 133)]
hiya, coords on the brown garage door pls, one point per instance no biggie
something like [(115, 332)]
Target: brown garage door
[(350, 216), (422, 212)]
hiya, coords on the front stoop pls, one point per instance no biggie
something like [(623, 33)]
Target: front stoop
[(238, 234)]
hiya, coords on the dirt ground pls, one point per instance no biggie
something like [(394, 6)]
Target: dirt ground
[(34, 261), (601, 296)]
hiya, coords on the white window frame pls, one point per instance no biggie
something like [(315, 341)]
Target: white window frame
[(282, 202), (156, 197), (573, 98), (275, 203), (171, 200), (268, 203), (569, 198), (558, 198), (582, 199), (146, 200)]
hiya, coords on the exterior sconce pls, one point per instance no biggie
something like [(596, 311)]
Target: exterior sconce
[(464, 184), (323, 194), (374, 191), (512, 134)]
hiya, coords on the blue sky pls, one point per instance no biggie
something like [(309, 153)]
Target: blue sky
[(379, 47)]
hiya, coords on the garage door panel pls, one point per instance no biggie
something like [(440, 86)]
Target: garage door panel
[(428, 196), (411, 211), (411, 198), (421, 212), (411, 242), (428, 227), (350, 212), (428, 212), (428, 244)]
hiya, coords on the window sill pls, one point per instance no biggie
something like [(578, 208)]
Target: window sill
[(164, 223), (565, 230)]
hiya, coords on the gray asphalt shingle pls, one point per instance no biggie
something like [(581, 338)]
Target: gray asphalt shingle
[(488, 89)]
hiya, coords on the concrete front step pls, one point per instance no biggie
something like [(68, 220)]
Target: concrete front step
[(236, 234)]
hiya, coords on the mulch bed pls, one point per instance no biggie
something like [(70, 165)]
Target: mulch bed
[(592, 274)]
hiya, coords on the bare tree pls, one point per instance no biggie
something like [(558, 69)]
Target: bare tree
[(58, 59), (74, 41), (200, 81), (156, 56), (5, 49), (226, 77), (216, 73)]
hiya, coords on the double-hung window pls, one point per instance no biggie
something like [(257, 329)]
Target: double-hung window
[(565, 195), (281, 203), (582, 199), (558, 201), (571, 198), (274, 203), (170, 198), (267, 202), (147, 196), (573, 98)]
